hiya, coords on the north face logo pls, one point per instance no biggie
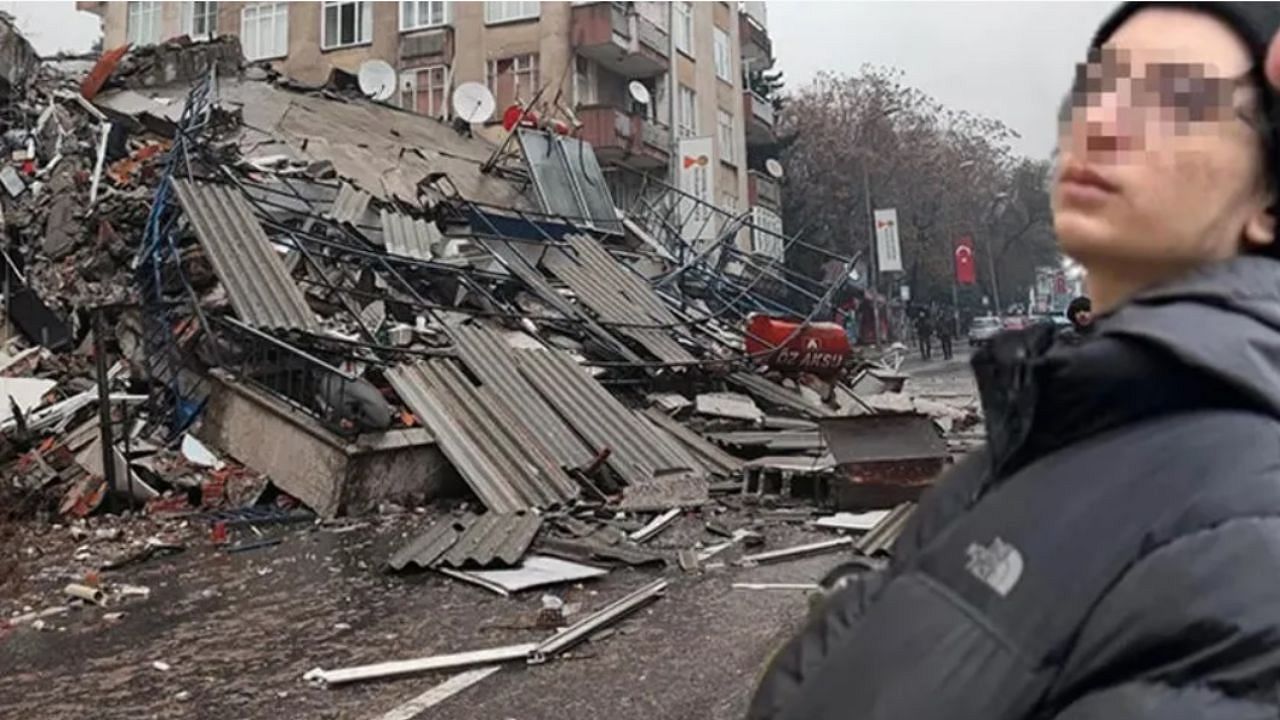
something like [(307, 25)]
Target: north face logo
[(998, 565)]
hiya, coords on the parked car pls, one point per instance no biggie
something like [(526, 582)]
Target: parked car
[(1016, 322), (982, 329)]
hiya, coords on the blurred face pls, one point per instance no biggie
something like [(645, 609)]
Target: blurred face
[(1161, 162)]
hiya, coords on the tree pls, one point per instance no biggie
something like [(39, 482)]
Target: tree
[(948, 173)]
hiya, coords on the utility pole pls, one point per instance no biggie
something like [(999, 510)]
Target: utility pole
[(995, 282), (955, 292), (873, 265)]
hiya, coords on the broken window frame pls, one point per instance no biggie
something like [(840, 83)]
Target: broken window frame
[(687, 112), (517, 66), (360, 24), (586, 81), (437, 13), (684, 26), (264, 45), (438, 78), (723, 55), (142, 22), (200, 19), (511, 11), (766, 233), (725, 136)]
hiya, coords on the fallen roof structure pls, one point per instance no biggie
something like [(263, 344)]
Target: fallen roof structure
[(508, 468)]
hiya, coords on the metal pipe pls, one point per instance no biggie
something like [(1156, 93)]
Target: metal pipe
[(797, 551), (104, 401), (581, 630), (396, 668)]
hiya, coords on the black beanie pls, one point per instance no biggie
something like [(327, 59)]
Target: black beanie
[(1255, 23)]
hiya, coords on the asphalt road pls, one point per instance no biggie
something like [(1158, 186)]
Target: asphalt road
[(234, 634)]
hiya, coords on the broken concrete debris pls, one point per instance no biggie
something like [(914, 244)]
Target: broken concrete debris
[(240, 304)]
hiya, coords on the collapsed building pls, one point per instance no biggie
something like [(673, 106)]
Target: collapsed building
[(226, 292)]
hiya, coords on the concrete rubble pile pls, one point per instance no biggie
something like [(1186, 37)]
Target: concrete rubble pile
[(234, 301)]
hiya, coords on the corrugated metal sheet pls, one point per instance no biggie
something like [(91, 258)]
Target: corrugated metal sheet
[(350, 206), (249, 267), (772, 393), (507, 467), (712, 458), (593, 254), (532, 277), (479, 540), (637, 455), (879, 539), (411, 237), (492, 360), (616, 296)]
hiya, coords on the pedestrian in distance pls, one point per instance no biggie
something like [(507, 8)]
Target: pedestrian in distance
[(924, 333), (1080, 315), (1111, 551), (942, 324)]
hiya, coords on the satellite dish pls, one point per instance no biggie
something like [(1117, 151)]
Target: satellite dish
[(638, 92), (377, 79), (774, 168), (473, 102)]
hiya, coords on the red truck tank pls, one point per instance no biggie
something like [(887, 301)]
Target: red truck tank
[(820, 348)]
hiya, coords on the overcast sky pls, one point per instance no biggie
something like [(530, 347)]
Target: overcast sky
[(1007, 60), (1011, 60)]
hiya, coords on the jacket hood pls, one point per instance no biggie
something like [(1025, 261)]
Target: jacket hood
[(1222, 320)]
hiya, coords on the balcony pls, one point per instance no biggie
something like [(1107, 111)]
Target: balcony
[(428, 46), (626, 44), (759, 114), (623, 139), (763, 190), (757, 48)]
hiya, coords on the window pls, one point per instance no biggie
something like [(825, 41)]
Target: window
[(724, 56), (496, 12), (346, 23), (264, 30), (512, 80), (585, 81), (660, 108), (200, 19), (684, 27), (142, 23), (426, 91), (418, 15), (766, 233), (724, 127), (687, 112)]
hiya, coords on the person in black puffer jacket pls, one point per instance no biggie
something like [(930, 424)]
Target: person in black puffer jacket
[(1113, 550)]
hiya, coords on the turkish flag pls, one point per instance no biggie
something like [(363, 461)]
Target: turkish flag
[(966, 271)]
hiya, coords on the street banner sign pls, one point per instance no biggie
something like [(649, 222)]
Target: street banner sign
[(966, 271), (888, 249), (697, 177)]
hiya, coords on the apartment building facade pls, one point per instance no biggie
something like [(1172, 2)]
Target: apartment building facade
[(585, 55)]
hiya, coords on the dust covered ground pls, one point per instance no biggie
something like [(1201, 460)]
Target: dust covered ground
[(236, 632)]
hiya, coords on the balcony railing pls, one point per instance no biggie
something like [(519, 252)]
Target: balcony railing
[(759, 108), (621, 42), (622, 138), (763, 190)]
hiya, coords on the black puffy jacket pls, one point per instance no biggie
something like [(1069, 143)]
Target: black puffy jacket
[(1113, 552)]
